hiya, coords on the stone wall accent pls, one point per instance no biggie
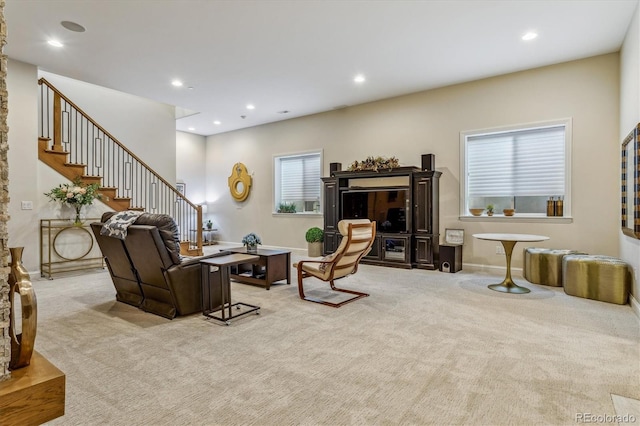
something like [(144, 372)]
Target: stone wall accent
[(5, 342)]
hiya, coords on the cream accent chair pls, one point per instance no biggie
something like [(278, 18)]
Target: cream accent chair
[(358, 236)]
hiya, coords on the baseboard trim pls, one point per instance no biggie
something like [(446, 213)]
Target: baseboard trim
[(474, 267), (635, 306)]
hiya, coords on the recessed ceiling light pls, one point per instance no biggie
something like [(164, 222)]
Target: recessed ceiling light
[(217, 123), (529, 36), (359, 78), (176, 83), (72, 26), (55, 43), (192, 128), (251, 106)]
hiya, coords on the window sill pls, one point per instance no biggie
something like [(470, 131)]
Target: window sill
[(518, 218), (298, 214)]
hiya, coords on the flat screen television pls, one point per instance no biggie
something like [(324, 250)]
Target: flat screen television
[(386, 206)]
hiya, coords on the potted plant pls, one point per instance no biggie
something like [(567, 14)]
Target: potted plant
[(251, 241), (287, 208), (208, 224), (490, 208), (315, 238)]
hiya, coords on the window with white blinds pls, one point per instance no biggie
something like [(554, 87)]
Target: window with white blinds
[(518, 168), (297, 181)]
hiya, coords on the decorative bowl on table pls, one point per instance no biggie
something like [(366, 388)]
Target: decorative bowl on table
[(476, 212), (509, 212)]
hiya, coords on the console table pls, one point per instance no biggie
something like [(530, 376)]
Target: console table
[(67, 247), (269, 267), (208, 235)]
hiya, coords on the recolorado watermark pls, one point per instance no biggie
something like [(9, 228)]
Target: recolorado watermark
[(605, 418)]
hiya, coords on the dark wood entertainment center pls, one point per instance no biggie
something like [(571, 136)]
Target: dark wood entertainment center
[(412, 238)]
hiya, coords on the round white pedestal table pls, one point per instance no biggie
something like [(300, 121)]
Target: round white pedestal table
[(508, 242)]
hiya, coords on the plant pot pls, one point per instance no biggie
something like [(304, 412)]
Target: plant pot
[(314, 249)]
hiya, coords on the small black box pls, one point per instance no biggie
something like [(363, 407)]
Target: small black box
[(428, 162), (450, 257)]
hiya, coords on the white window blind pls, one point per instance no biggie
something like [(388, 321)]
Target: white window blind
[(300, 178), (529, 162)]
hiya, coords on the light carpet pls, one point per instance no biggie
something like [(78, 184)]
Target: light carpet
[(426, 348)]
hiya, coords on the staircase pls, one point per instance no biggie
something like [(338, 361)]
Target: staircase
[(74, 145), (57, 160)]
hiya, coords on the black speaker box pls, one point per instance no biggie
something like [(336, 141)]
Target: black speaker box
[(450, 257), (428, 162), (334, 167)]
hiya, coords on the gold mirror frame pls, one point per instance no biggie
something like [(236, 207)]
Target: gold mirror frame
[(630, 185), (239, 182)]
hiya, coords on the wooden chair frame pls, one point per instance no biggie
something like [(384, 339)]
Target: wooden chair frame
[(333, 265)]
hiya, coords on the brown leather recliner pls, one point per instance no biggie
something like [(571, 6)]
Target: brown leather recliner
[(122, 273), (168, 285)]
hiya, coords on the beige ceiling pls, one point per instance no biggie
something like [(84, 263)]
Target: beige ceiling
[(301, 55)]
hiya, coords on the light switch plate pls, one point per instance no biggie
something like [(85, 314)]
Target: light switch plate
[(27, 205)]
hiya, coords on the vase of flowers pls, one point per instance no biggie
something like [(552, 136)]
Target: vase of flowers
[(76, 194), (251, 241)]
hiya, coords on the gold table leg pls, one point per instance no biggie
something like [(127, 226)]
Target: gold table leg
[(507, 285)]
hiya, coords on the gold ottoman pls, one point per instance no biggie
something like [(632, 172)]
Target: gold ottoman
[(544, 266), (602, 278)]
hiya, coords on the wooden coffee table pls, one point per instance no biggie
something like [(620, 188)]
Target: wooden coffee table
[(271, 266)]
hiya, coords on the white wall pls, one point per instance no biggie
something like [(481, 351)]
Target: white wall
[(190, 165), (254, 148), (430, 122), (629, 118), (23, 160), (144, 126)]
